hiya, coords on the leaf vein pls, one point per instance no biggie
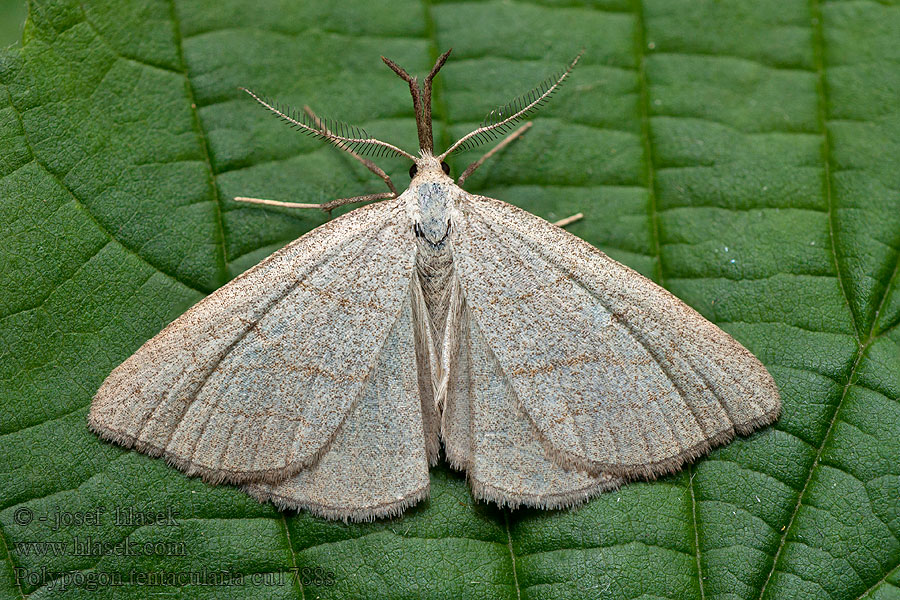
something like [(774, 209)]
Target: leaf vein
[(881, 581), (203, 140), (81, 205)]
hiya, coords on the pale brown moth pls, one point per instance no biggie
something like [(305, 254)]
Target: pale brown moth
[(328, 376)]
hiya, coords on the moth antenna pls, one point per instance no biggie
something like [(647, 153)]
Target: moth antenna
[(501, 119), (321, 125), (350, 137)]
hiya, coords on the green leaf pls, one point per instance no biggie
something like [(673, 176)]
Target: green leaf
[(746, 155), (12, 14)]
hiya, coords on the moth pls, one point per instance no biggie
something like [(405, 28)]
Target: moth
[(329, 376)]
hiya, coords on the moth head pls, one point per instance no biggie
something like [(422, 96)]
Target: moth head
[(429, 167)]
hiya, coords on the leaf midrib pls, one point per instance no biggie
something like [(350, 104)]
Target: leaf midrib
[(655, 242)]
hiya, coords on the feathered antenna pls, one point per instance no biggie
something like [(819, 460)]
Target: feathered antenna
[(342, 135), (501, 120)]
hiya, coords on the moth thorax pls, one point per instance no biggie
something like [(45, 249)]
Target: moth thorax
[(434, 224)]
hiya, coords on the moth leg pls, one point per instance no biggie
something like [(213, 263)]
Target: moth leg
[(569, 220), (365, 161), (326, 206), (503, 143), (332, 204)]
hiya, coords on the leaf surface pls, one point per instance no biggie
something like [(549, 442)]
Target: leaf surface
[(744, 155)]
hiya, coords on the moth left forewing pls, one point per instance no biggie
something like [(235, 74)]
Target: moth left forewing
[(617, 374), (252, 382)]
